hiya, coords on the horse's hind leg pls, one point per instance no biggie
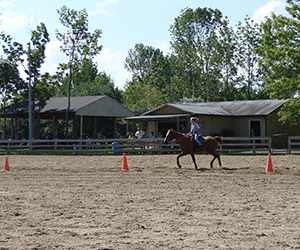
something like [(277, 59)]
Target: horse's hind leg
[(194, 160), (178, 156), (219, 159)]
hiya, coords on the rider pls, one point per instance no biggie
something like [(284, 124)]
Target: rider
[(195, 130)]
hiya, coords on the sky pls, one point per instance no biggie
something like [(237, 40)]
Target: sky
[(124, 23)]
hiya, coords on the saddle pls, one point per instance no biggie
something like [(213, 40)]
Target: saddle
[(195, 144)]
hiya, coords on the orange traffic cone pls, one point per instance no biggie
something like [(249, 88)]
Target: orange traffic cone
[(6, 165), (124, 163), (269, 168)]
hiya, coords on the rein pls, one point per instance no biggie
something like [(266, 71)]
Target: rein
[(178, 140)]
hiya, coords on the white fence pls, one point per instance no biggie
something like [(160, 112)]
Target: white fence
[(231, 145)]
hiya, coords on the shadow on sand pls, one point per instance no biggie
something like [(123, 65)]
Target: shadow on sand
[(227, 169)]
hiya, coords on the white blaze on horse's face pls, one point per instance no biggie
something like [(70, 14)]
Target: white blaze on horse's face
[(166, 138)]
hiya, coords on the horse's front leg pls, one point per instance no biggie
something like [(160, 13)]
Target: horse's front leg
[(178, 156), (212, 161), (194, 160), (218, 157)]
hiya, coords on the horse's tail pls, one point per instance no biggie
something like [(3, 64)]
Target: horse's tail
[(219, 140)]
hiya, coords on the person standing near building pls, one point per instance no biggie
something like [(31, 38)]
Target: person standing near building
[(118, 135), (152, 135), (183, 129), (139, 133)]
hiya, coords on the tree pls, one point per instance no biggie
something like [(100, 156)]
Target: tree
[(251, 75), (89, 82), (10, 80), (195, 46), (280, 52), (78, 43), (15, 88), (151, 76), (11, 83), (42, 84), (229, 63), (139, 61)]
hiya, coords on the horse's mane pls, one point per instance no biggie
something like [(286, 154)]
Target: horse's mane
[(177, 132)]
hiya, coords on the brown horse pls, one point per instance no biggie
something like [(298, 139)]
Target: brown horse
[(187, 146)]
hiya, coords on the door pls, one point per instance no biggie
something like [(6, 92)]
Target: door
[(255, 128)]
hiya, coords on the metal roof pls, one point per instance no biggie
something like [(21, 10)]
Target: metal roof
[(59, 104), (157, 117), (88, 106), (228, 108), (97, 106)]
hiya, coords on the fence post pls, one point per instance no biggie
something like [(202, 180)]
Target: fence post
[(289, 145), (270, 145)]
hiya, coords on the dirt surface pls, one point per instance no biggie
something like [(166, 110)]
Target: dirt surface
[(88, 202)]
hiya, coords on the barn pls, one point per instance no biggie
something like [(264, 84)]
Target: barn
[(229, 118)]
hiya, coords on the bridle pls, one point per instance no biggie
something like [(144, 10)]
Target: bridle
[(177, 140)]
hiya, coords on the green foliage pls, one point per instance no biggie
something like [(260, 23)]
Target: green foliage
[(251, 74), (12, 50), (13, 87), (290, 112), (141, 97), (210, 61), (195, 45), (229, 76), (10, 80), (78, 44), (151, 80), (42, 86), (88, 82), (280, 52)]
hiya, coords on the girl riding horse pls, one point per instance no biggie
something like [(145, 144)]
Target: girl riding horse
[(186, 145)]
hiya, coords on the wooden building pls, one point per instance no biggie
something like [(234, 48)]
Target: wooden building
[(230, 118)]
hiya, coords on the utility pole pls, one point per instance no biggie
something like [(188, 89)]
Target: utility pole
[(29, 95)]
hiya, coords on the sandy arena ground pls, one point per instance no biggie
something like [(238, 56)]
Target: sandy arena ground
[(88, 202)]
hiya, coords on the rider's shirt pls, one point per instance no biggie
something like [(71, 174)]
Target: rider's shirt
[(194, 128)]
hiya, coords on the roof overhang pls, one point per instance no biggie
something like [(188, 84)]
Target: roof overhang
[(172, 117)]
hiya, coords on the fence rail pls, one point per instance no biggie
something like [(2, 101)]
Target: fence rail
[(231, 145)]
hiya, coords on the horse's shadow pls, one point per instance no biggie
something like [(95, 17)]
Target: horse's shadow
[(223, 168)]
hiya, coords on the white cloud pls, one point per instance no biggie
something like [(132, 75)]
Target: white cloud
[(105, 3), (100, 7), (6, 4), (278, 7), (113, 64), (12, 22), (53, 57), (164, 47), (110, 62)]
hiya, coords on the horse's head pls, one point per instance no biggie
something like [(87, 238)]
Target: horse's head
[(169, 136)]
